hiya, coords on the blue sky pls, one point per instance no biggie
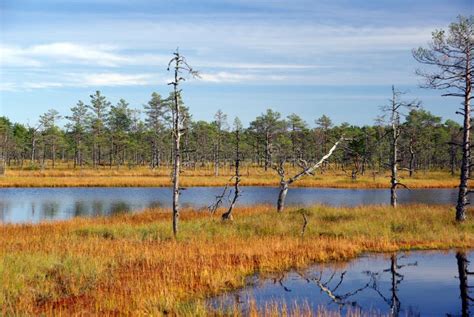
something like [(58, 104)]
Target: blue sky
[(338, 58)]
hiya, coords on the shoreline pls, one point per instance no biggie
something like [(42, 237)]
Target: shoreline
[(148, 181)]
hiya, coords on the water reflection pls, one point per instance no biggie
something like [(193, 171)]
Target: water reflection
[(464, 287), (406, 284), (4, 207), (393, 301), (118, 207), (50, 209), (36, 204), (97, 208), (80, 209), (336, 296)]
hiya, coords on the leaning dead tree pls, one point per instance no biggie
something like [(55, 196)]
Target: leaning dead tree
[(236, 178), (306, 169), (237, 131), (394, 110), (453, 56), (179, 65)]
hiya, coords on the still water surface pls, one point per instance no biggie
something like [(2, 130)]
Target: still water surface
[(404, 284), (36, 204)]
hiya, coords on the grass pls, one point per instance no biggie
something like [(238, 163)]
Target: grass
[(131, 265), (65, 176)]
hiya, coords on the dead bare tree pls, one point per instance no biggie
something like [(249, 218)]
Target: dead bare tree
[(306, 170), (179, 65), (394, 109), (220, 198), (237, 130), (453, 55)]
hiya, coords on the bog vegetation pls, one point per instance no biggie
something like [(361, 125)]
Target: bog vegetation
[(131, 264)]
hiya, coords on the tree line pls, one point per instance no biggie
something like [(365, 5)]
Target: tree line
[(99, 134)]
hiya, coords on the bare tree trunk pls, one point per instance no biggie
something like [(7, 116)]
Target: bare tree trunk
[(180, 65), (394, 170), (412, 160), (177, 156), (394, 167), (395, 121), (466, 151), (282, 196)]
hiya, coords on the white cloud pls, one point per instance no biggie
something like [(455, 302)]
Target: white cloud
[(108, 56), (228, 77), (4, 86), (62, 52), (112, 79), (42, 85), (85, 80), (13, 56), (255, 66), (223, 77), (72, 52)]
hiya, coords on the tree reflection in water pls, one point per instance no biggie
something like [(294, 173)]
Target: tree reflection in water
[(98, 208), (463, 271), (392, 300), (3, 211), (339, 298), (329, 282), (119, 207), (397, 285), (50, 209), (80, 209)]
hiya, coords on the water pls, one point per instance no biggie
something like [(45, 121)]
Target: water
[(405, 284), (36, 204)]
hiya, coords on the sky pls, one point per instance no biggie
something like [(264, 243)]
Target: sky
[(317, 57)]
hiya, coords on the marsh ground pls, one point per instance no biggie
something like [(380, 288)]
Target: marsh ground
[(130, 264)]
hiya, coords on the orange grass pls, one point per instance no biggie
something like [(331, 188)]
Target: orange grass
[(273, 308), (64, 176), (131, 265)]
